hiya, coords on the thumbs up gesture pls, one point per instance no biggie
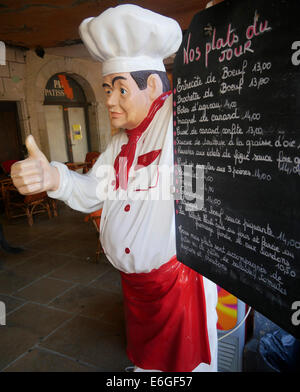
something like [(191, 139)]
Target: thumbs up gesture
[(34, 174)]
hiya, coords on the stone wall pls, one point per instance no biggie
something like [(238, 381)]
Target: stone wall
[(24, 78)]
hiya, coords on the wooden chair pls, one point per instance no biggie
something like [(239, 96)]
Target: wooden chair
[(17, 205), (77, 166), (5, 181), (6, 165), (53, 204), (95, 218), (90, 158)]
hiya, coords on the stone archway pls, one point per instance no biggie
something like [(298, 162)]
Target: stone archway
[(88, 75)]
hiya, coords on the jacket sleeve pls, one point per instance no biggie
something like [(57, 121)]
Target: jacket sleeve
[(84, 192)]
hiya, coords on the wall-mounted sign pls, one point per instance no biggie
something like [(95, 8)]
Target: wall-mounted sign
[(237, 113), (76, 131), (63, 89)]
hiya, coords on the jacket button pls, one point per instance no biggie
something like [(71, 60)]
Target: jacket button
[(127, 208), (127, 250)]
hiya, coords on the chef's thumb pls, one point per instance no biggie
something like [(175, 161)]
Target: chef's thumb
[(33, 150)]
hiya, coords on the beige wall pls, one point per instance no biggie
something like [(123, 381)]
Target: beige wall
[(24, 78)]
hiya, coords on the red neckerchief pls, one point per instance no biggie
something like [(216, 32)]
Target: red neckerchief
[(124, 160)]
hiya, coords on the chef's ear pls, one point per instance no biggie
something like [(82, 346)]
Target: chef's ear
[(154, 86)]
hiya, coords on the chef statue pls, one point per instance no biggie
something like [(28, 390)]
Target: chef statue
[(170, 309)]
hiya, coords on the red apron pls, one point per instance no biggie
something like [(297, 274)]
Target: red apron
[(165, 315)]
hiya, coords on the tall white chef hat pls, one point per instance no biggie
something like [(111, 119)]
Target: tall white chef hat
[(130, 38)]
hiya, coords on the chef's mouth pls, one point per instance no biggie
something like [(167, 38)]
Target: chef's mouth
[(115, 114)]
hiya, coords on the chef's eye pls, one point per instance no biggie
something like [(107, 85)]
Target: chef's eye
[(123, 91)]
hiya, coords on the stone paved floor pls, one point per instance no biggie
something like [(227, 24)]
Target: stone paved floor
[(64, 311)]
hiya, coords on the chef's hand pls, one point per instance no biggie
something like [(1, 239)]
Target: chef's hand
[(34, 174)]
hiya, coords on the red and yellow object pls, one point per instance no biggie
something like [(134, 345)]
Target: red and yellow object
[(226, 309)]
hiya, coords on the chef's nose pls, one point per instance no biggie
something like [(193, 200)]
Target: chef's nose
[(111, 100)]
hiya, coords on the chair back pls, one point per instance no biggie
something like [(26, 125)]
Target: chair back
[(95, 217), (6, 165), (17, 205), (35, 197), (92, 156)]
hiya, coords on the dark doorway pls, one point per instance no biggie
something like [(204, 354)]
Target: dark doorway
[(10, 136)]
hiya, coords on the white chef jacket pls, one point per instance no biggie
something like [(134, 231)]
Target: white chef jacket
[(137, 233)]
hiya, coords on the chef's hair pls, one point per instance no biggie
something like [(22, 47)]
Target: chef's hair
[(141, 78)]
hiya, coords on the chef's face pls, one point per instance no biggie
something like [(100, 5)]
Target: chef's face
[(127, 104)]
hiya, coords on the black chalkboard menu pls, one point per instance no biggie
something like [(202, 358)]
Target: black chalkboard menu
[(236, 81)]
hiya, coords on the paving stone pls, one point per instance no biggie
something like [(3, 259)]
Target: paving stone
[(52, 244), (92, 302), (11, 303), (9, 260), (12, 281), (110, 281), (43, 263), (37, 319), (39, 360), (80, 272), (91, 341), (44, 290), (14, 341), (24, 328)]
